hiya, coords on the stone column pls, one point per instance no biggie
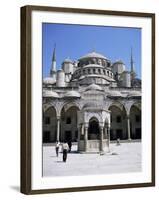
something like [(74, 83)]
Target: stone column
[(128, 127), (82, 128), (85, 138), (108, 135), (105, 132), (79, 131), (101, 138), (58, 129)]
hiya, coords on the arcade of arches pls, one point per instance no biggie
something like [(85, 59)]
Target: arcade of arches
[(65, 127)]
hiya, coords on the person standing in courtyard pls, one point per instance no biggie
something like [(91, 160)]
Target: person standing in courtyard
[(65, 148), (57, 145)]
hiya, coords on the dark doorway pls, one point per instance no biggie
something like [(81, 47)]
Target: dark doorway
[(46, 136), (93, 130), (68, 136), (138, 133), (119, 134)]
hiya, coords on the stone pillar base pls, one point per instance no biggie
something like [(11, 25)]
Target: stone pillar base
[(93, 146)]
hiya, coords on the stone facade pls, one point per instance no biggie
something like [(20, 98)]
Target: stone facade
[(91, 101)]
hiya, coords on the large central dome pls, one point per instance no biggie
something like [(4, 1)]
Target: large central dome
[(93, 68), (93, 55)]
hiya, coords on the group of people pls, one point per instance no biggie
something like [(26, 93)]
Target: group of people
[(66, 147)]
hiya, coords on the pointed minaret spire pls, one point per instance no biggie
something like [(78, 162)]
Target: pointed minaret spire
[(132, 61), (133, 74), (53, 64), (54, 54)]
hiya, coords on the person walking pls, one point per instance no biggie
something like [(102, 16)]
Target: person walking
[(57, 145), (65, 150), (69, 145)]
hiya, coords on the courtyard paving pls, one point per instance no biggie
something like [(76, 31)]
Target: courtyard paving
[(121, 159)]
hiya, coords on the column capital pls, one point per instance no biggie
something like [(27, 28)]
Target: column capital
[(85, 125), (80, 125), (128, 116), (101, 127), (58, 117)]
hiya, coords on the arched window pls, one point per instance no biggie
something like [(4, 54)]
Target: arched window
[(108, 64), (99, 71)]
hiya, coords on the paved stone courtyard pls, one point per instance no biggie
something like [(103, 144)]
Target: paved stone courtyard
[(123, 158)]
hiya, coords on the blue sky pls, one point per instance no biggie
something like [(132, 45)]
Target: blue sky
[(74, 41)]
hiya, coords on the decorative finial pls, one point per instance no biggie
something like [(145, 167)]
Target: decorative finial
[(93, 49)]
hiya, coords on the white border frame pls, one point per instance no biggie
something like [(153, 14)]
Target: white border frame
[(38, 182)]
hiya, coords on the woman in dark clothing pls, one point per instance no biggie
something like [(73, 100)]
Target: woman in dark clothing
[(65, 150)]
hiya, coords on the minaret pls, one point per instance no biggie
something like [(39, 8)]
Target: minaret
[(53, 65), (133, 74)]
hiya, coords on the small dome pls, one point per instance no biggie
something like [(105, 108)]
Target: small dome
[(94, 87), (93, 104), (93, 55), (72, 94), (114, 94), (49, 80), (50, 93), (118, 62), (67, 60), (134, 94)]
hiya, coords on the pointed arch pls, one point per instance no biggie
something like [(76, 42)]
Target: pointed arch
[(69, 128), (49, 124), (93, 128), (118, 121), (135, 121)]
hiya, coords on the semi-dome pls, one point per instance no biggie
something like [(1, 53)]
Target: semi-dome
[(94, 87), (49, 80), (134, 94), (93, 55), (114, 94), (72, 94), (50, 93)]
